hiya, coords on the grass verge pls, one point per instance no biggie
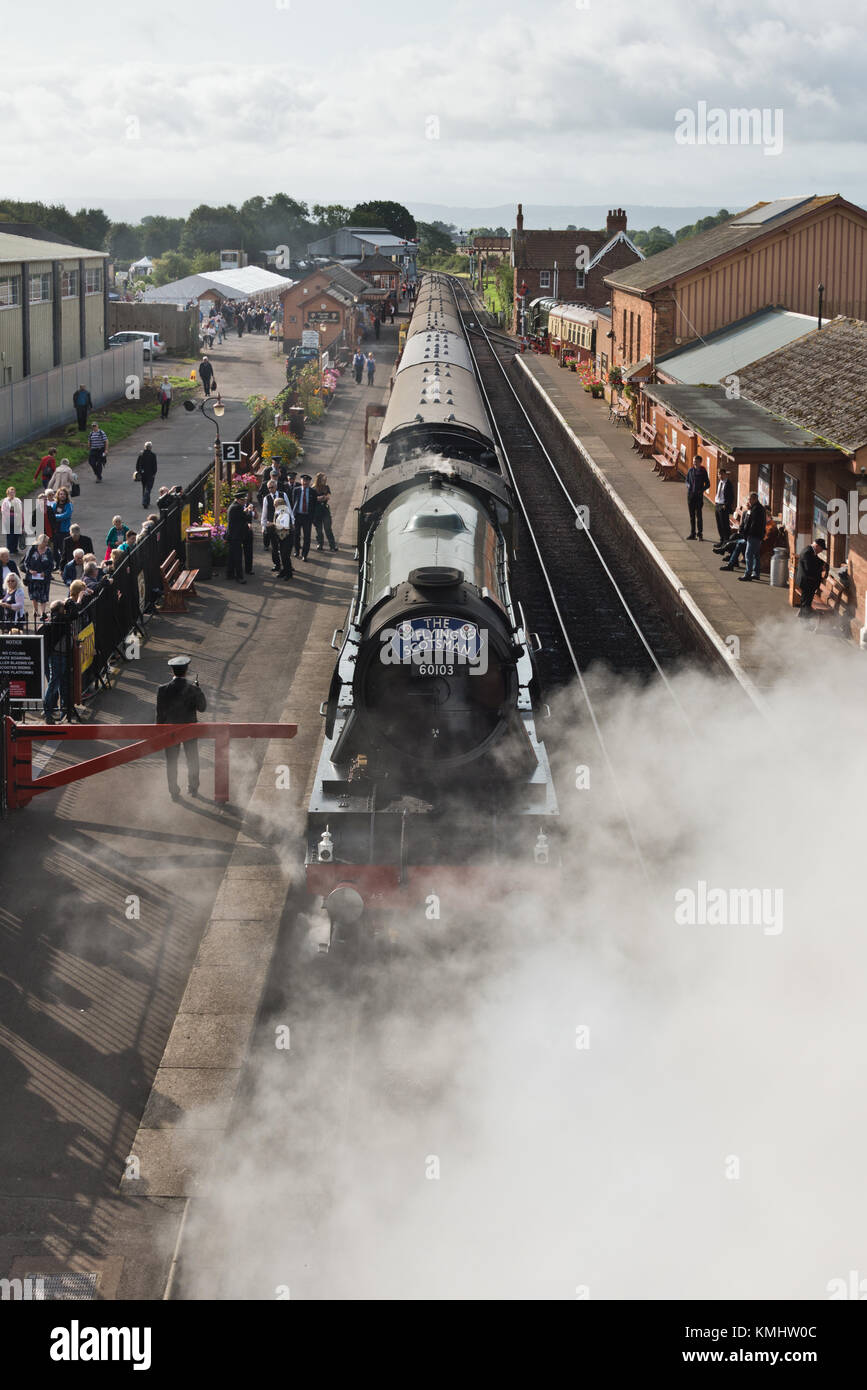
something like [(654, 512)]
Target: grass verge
[(118, 418)]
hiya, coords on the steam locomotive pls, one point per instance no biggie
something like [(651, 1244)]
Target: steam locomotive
[(432, 770)]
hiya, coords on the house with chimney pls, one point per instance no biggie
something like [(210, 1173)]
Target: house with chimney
[(567, 266), (804, 254)]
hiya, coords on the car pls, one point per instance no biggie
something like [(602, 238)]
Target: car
[(153, 343)]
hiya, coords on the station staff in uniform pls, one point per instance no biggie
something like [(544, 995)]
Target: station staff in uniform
[(237, 532), (303, 502), (179, 702)]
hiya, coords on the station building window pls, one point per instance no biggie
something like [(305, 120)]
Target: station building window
[(69, 284), (10, 291), (580, 276), (93, 280), (544, 279), (40, 288)]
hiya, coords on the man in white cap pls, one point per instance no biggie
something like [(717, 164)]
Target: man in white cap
[(179, 702)]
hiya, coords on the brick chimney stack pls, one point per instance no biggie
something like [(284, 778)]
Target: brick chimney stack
[(519, 220), (616, 222)]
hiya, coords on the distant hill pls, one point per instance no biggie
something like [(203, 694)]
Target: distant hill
[(540, 215)]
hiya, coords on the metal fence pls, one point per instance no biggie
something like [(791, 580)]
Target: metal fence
[(38, 403)]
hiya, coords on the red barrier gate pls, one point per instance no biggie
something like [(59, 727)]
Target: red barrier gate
[(19, 740)]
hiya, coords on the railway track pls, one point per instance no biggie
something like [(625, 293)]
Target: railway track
[(586, 607)]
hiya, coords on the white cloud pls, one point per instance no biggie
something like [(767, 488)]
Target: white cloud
[(561, 105)]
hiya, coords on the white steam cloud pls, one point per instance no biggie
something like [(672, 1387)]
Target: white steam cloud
[(580, 1096)]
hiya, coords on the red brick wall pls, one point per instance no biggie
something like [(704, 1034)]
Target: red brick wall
[(641, 333)]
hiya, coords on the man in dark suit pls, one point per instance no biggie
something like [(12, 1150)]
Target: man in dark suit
[(179, 702), (812, 569), (697, 483), (75, 541), (237, 529), (754, 530), (724, 504), (303, 502)]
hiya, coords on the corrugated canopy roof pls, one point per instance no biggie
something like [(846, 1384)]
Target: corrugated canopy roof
[(736, 423), (735, 346)]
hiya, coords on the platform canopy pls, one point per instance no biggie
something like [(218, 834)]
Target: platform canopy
[(246, 282)]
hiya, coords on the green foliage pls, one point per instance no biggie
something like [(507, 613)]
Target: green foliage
[(124, 241), (378, 213), (161, 234), (171, 266), (433, 239), (88, 227), (331, 217), (660, 238)]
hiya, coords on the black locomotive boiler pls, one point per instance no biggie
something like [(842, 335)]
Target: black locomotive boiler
[(431, 770)]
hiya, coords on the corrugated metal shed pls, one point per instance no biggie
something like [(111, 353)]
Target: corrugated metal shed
[(25, 248), (735, 347)]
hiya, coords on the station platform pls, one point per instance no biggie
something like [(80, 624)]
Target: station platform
[(659, 509), (137, 930)]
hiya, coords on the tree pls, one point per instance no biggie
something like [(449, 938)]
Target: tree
[(93, 227), (171, 266), (213, 229), (124, 241), (394, 216), (330, 217), (431, 239), (202, 262), (657, 239), (160, 234)]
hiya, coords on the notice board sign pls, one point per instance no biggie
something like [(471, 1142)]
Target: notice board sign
[(22, 665)]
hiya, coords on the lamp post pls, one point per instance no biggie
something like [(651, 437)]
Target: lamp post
[(219, 411)]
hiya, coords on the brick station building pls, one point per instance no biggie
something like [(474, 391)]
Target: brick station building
[(545, 262), (332, 296), (819, 383), (773, 254), (379, 272)]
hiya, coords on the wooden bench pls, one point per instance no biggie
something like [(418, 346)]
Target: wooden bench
[(832, 601), (666, 463), (178, 584), (645, 441)]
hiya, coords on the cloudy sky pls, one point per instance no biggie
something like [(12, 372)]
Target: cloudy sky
[(549, 101)]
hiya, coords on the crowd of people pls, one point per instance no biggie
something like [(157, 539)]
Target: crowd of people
[(242, 317), (291, 507)]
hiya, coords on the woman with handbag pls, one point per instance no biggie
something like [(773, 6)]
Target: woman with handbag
[(64, 476), (38, 569), (322, 511)]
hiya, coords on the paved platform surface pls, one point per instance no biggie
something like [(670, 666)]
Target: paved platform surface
[(184, 443), (97, 1002), (732, 608)]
